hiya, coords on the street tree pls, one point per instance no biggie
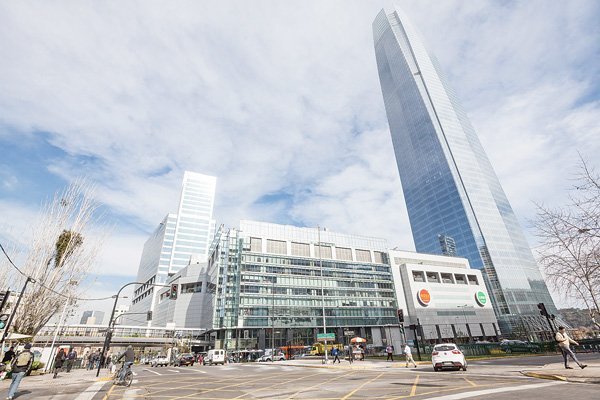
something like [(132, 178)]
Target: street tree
[(64, 246), (570, 242)]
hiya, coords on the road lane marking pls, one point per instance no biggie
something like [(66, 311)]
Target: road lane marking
[(278, 383), (413, 390), (107, 395), (173, 370), (478, 393), (360, 387), (154, 372), (469, 382), (90, 392), (304, 390)]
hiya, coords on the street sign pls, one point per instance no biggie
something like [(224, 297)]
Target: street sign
[(3, 320), (348, 333), (322, 337)]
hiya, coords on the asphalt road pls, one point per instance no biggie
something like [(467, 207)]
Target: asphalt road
[(281, 381)]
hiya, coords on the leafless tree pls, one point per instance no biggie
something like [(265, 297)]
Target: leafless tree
[(62, 252), (570, 242)]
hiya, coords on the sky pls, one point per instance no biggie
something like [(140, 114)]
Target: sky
[(279, 100)]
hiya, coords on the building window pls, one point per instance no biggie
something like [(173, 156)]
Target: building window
[(343, 253), (460, 279), (418, 276), (447, 278), (473, 279), (325, 252), (301, 249), (194, 287), (276, 246), (256, 245), (363, 255), (380, 257), (433, 277)]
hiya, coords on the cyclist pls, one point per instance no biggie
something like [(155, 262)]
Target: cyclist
[(128, 362)]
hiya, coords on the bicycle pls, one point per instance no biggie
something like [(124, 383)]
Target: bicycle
[(128, 376)]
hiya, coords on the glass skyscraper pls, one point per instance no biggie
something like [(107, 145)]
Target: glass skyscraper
[(454, 199), (178, 240)]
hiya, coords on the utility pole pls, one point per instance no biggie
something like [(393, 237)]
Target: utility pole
[(13, 312), (273, 319), (322, 291), (58, 328)]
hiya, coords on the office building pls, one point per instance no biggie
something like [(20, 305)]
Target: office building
[(92, 318), (444, 297), (273, 282), (449, 185), (180, 239)]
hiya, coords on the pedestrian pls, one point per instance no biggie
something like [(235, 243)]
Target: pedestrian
[(564, 342), (19, 367), (336, 355), (96, 359), (59, 359), (9, 355), (409, 357), (390, 352), (90, 360), (71, 357), (350, 354)]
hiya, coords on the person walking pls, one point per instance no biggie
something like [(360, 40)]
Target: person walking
[(409, 357), (58, 362), (71, 357), (350, 354), (9, 355), (19, 367), (390, 352), (336, 355), (564, 342)]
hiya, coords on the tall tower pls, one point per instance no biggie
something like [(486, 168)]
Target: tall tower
[(449, 185)]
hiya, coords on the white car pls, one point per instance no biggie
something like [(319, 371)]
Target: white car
[(269, 357), (161, 361), (447, 355)]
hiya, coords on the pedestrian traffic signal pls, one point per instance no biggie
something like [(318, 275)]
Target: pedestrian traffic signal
[(542, 308), (400, 315), (3, 320), (173, 293)]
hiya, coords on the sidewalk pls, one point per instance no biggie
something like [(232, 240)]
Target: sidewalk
[(44, 386), (557, 371)]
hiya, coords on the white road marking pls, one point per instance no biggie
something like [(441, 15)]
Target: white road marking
[(173, 370), (478, 393), (154, 372), (90, 392), (134, 373)]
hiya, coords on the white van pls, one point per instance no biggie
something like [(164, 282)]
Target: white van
[(214, 357)]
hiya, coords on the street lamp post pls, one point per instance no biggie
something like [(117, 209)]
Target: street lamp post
[(273, 319), (322, 291), (466, 323), (58, 327), (112, 314)]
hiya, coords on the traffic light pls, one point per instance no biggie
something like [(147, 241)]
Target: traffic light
[(542, 308), (173, 293), (3, 320), (149, 316), (400, 315)]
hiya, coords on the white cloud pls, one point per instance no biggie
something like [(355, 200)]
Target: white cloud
[(278, 98)]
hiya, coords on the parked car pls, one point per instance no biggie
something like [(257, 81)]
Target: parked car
[(447, 355), (184, 359), (160, 361), (216, 356), (519, 346)]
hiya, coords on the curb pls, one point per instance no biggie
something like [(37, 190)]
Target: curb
[(545, 376), (349, 367)]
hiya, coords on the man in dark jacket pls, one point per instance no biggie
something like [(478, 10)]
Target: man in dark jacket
[(71, 357), (129, 358), (8, 356), (20, 365), (58, 361)]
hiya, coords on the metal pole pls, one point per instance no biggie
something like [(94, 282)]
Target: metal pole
[(60, 320), (322, 291), (273, 319), (13, 312)]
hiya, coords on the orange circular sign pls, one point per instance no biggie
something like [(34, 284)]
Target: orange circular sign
[(424, 297)]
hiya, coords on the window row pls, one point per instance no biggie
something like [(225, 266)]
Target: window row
[(444, 277)]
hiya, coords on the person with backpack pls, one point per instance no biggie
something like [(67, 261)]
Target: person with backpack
[(336, 354), (58, 362), (390, 352), (19, 368)]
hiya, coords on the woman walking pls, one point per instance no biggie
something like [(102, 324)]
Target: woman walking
[(58, 362)]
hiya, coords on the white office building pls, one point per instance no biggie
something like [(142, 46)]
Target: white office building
[(444, 296), (180, 239)]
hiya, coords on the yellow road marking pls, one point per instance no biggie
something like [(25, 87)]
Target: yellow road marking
[(319, 384), (360, 387), (277, 384), (469, 382), (107, 395), (413, 390)]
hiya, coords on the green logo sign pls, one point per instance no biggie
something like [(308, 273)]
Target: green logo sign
[(481, 298)]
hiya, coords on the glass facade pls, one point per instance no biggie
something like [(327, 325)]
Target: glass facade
[(449, 185), (278, 289)]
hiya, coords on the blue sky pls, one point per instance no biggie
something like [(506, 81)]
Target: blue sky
[(280, 101)]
